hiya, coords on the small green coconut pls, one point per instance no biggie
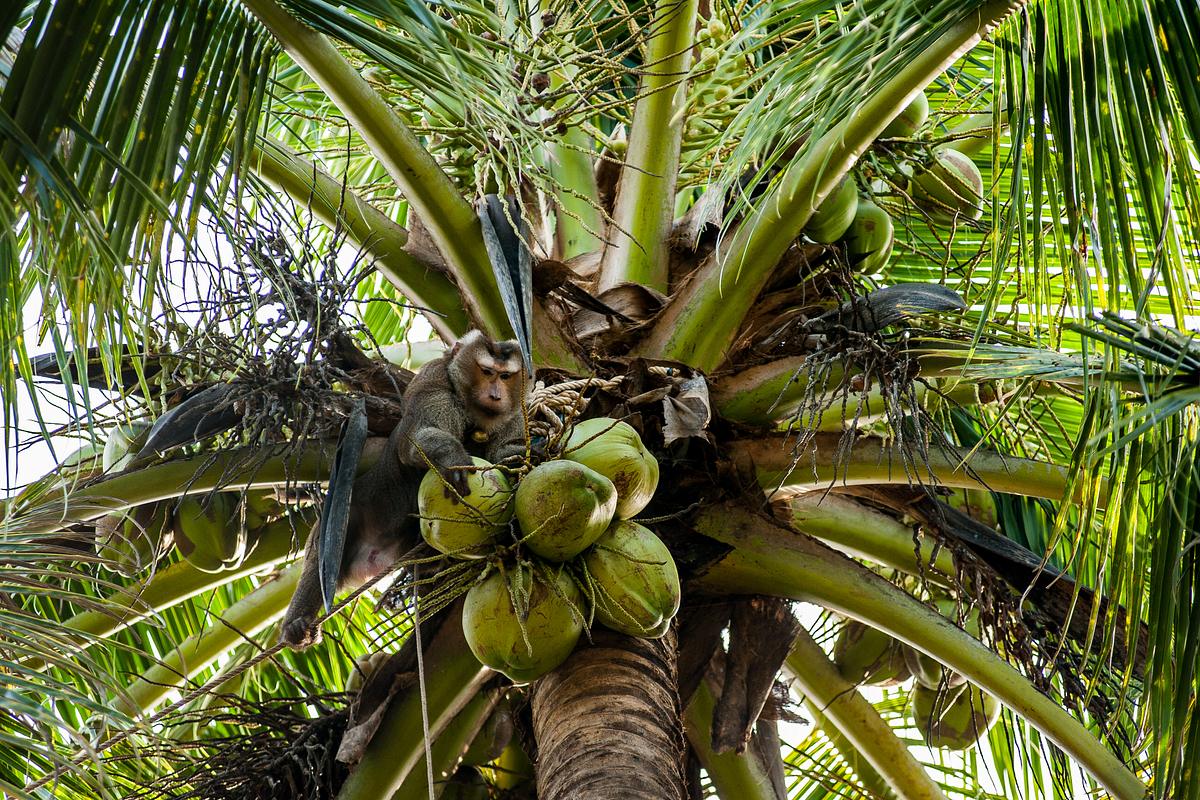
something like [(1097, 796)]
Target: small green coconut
[(910, 120), (465, 527), (121, 445), (208, 532), (614, 449), (637, 583), (956, 718), (552, 625), (867, 655), (832, 218), (870, 238), (564, 506), (132, 541), (951, 186)]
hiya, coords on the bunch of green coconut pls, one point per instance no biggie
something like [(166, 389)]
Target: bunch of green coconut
[(946, 184), (948, 711), (561, 549), (130, 542)]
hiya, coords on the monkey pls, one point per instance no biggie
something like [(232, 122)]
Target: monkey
[(476, 392), (469, 401)]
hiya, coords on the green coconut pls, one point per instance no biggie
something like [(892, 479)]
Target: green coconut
[(552, 624), (870, 237), (910, 120), (955, 719), (563, 506), (867, 655), (926, 670), (466, 527), (951, 186), (208, 532), (832, 218), (637, 584), (614, 449), (121, 445), (132, 541)]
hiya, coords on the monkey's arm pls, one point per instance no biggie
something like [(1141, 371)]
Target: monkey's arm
[(431, 432)]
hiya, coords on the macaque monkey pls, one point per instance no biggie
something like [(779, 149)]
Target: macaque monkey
[(471, 400)]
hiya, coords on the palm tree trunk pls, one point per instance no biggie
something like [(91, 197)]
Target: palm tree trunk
[(607, 723)]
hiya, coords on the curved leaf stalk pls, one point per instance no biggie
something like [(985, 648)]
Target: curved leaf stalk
[(856, 530), (870, 461), (452, 678), (735, 776), (448, 750), (179, 582), (245, 618), (702, 321), (645, 198), (239, 468), (340, 207), (450, 219), (840, 703), (867, 776), (781, 390), (578, 220), (769, 559)]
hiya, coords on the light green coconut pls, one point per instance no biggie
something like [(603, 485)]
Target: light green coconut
[(955, 719), (951, 185), (870, 238), (493, 627), (465, 527), (637, 583), (867, 655), (833, 217), (563, 506), (910, 120), (614, 449)]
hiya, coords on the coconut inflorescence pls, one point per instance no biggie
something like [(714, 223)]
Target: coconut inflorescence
[(560, 549)]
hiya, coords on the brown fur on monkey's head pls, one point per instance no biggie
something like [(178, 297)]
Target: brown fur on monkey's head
[(489, 375)]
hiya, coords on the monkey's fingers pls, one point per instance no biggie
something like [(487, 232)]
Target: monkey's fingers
[(458, 479)]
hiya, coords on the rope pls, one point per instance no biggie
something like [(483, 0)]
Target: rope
[(552, 407)]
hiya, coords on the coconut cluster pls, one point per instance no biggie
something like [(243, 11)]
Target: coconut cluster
[(132, 541), (562, 546), (947, 710), (947, 185)]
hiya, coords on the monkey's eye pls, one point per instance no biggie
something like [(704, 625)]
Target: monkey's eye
[(488, 372), (505, 376)]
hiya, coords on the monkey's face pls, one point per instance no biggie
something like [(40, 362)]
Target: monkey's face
[(495, 384)]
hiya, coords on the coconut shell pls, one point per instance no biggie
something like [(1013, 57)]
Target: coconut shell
[(563, 507), (832, 218), (208, 532), (955, 719), (870, 238), (493, 627), (951, 186), (614, 449), (910, 120), (867, 655), (465, 527), (637, 583)]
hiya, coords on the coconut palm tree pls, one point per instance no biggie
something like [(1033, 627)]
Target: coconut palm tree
[(983, 493)]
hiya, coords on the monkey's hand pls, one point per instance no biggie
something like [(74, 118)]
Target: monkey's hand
[(299, 633), (455, 486)]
